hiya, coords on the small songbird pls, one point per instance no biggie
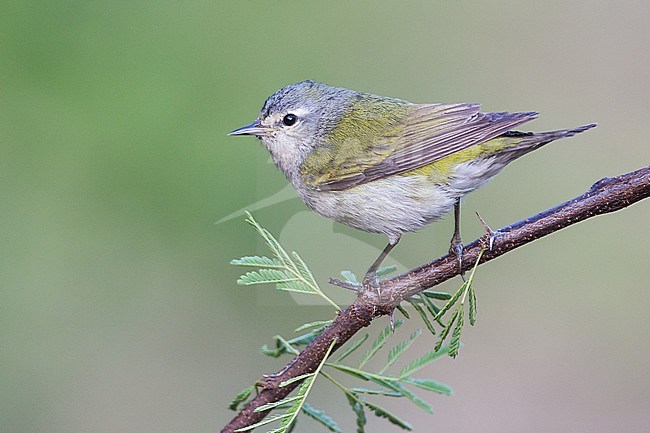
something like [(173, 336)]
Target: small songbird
[(385, 165)]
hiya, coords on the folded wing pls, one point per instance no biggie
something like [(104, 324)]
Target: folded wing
[(430, 132)]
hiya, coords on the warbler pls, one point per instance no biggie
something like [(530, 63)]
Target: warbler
[(385, 165)]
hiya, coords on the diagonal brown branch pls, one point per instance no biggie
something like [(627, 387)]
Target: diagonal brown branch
[(605, 196)]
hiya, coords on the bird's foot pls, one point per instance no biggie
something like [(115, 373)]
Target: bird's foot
[(456, 248), (371, 282)]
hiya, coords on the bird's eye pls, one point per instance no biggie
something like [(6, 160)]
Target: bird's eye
[(290, 119)]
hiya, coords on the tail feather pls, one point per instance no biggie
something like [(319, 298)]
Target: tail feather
[(561, 133), (529, 141)]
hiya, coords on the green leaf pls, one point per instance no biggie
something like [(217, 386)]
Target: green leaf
[(443, 296), (397, 387), (295, 379), (472, 306), (377, 392), (321, 323), (289, 417), (283, 346), (264, 276), (295, 285), (349, 277), (446, 329), (429, 385), (263, 422), (471, 291), (433, 308), (423, 361), (403, 311), (241, 397), (273, 244), (291, 428), (385, 270), (454, 344), (288, 346), (291, 274), (357, 408), (303, 269), (258, 261), (399, 349), (424, 317), (451, 301), (355, 372), (273, 405), (303, 339), (352, 348), (384, 413), (320, 416), (378, 343)]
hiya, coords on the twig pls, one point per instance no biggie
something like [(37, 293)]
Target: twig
[(605, 196)]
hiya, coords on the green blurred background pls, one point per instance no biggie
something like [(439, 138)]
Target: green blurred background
[(119, 311)]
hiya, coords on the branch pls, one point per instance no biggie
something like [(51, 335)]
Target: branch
[(605, 196)]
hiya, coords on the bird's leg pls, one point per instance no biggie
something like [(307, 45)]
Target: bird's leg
[(370, 280), (456, 246)]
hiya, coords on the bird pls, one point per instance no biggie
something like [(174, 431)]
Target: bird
[(385, 165)]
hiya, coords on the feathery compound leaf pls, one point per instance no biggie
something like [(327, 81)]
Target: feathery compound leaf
[(259, 261), (303, 339), (397, 387), (429, 385), (433, 308), (303, 392), (472, 306), (295, 379), (272, 405), (446, 329), (399, 349), (378, 343), (283, 346), (263, 422), (352, 348), (295, 285), (289, 272), (471, 292), (303, 269), (355, 372), (349, 277), (318, 323), (423, 315), (443, 296), (288, 347), (454, 344), (241, 397), (264, 276), (320, 416), (377, 392), (451, 301), (423, 361), (274, 246), (383, 413), (357, 408)]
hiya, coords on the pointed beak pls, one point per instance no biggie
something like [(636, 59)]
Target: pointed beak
[(255, 128)]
